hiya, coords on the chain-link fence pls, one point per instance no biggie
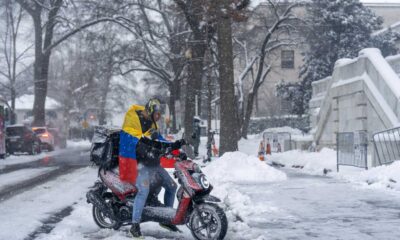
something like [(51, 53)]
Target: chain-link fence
[(279, 141), (352, 149), (387, 145)]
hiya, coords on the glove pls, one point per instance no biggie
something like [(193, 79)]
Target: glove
[(154, 135), (178, 144)]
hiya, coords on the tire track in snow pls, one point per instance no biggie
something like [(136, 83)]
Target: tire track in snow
[(50, 223), (18, 188)]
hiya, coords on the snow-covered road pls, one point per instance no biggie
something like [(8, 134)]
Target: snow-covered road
[(261, 202), (315, 207)]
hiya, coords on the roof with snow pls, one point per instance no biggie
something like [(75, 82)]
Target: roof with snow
[(25, 102)]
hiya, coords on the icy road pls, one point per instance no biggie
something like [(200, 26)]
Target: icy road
[(315, 207), (300, 207)]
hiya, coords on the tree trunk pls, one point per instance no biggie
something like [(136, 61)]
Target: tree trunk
[(229, 127), (40, 89), (12, 113), (209, 110), (193, 85), (172, 99), (249, 110), (103, 101)]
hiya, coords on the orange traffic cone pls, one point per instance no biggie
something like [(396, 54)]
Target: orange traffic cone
[(268, 149), (215, 150), (261, 152)]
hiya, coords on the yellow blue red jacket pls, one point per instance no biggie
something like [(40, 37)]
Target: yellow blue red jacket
[(129, 137)]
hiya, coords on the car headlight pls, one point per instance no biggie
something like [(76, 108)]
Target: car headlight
[(204, 182)]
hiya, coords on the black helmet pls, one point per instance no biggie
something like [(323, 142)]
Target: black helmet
[(152, 106)]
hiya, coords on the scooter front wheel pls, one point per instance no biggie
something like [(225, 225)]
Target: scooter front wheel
[(208, 222), (103, 221)]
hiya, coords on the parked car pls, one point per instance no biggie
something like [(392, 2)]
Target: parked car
[(46, 137), (19, 138), (59, 138)]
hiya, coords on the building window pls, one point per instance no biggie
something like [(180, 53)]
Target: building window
[(287, 59)]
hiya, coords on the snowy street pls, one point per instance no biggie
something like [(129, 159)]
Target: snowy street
[(307, 207), (263, 203)]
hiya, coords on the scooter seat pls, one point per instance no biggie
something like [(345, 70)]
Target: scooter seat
[(112, 180)]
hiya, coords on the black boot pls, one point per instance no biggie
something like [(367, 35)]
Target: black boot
[(135, 231)]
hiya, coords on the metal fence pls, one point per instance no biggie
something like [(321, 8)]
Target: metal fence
[(387, 145), (352, 149), (280, 141)]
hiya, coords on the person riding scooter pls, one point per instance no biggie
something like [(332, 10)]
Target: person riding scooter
[(139, 158)]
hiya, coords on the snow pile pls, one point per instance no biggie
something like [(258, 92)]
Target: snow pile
[(387, 176), (310, 162), (231, 170), (240, 167), (250, 145), (324, 162), (79, 144)]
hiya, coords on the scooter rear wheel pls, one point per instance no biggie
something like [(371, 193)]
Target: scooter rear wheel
[(103, 221), (209, 222)]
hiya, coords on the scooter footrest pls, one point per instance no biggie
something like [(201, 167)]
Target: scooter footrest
[(158, 214)]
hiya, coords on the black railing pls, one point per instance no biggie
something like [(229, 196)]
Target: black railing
[(387, 145)]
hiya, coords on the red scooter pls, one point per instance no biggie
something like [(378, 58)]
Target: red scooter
[(112, 201)]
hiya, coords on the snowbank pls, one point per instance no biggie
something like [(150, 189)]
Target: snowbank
[(379, 177), (317, 163), (250, 145), (235, 169), (310, 162), (241, 168), (79, 144)]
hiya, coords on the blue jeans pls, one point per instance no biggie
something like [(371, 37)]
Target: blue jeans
[(143, 187)]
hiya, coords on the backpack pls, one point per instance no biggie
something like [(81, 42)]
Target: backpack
[(105, 147)]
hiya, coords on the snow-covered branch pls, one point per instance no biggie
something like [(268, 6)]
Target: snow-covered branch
[(76, 30)]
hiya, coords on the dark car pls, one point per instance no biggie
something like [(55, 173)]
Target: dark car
[(22, 139)]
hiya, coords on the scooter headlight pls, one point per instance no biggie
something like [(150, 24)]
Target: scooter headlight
[(196, 168), (204, 182)]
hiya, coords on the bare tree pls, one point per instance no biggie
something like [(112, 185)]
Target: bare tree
[(105, 51), (282, 20), (46, 19), (9, 51), (159, 46)]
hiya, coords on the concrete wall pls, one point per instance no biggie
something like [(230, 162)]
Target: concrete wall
[(361, 95)]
